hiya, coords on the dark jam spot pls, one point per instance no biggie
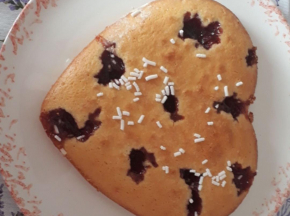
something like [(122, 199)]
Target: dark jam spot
[(205, 35), (138, 158), (252, 58), (171, 106), (243, 178), (113, 66), (231, 105), (193, 182), (66, 125)]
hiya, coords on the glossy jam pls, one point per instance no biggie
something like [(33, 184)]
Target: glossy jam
[(243, 178), (138, 158), (113, 66), (193, 182), (252, 58), (67, 126), (206, 36), (171, 106), (231, 105)]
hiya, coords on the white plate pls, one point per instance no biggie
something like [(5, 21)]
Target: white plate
[(40, 46)]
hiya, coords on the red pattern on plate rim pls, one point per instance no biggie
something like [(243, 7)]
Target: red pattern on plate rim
[(17, 183), (271, 206)]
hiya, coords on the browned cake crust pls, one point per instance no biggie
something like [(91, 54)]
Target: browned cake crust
[(131, 166)]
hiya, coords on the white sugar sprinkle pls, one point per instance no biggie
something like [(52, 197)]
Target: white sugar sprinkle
[(226, 90), (200, 55), (145, 65), (172, 41), (100, 94), (181, 33), (197, 174), (141, 74), (167, 90), (126, 113), (163, 148), (112, 56), (198, 140), (239, 84), (190, 201), (210, 123), (55, 129), (219, 77), (117, 82), (132, 78), (196, 135), (172, 90), (129, 87), (195, 214), (122, 125), (158, 96), (136, 99), (121, 81), (163, 92), (124, 78), (116, 86), (240, 177), (207, 110), (63, 151), (216, 88), (141, 119), (165, 81), (208, 172), (222, 173), (205, 161), (215, 183), (164, 99), (117, 117), (119, 111), (110, 85), (224, 183), (80, 137), (152, 63), (217, 106), (127, 84), (158, 99), (192, 171), (201, 180), (151, 77), (136, 70), (163, 69), (137, 93), (222, 177), (159, 124), (57, 138), (182, 150), (176, 154), (130, 123), (229, 169), (135, 13), (204, 174), (136, 86), (134, 74), (229, 163), (199, 187), (171, 83)]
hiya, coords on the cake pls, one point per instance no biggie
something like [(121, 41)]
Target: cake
[(154, 112)]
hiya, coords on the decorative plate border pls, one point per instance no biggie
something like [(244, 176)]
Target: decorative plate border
[(12, 155)]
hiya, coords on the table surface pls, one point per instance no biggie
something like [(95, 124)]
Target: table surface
[(7, 17)]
